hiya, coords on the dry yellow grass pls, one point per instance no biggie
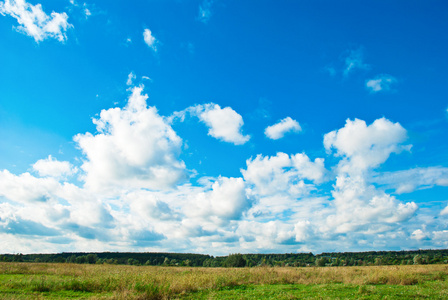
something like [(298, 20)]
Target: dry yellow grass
[(124, 282)]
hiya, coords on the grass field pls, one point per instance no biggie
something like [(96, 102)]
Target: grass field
[(73, 281)]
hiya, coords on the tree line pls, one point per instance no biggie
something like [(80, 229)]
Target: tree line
[(240, 260)]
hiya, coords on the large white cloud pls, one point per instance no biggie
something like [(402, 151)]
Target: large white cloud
[(281, 203), (35, 22), (283, 174), (363, 147), (134, 148), (359, 206), (225, 201), (26, 188), (278, 130)]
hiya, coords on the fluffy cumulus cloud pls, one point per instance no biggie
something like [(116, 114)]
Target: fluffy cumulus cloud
[(380, 83), (283, 174), (27, 188), (419, 235), (278, 130), (33, 21), (363, 147), (225, 201), (224, 124), (359, 206), (134, 147), (133, 192), (150, 40), (53, 168)]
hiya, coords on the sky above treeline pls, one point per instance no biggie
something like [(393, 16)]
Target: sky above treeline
[(223, 126)]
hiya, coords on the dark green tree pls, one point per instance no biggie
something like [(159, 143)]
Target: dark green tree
[(235, 261)]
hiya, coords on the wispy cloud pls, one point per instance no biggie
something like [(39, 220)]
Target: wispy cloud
[(354, 60), (131, 78), (35, 22), (410, 180), (205, 11), (150, 40), (380, 83), (84, 8)]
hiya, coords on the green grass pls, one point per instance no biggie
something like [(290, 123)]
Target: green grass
[(71, 281), (325, 291)]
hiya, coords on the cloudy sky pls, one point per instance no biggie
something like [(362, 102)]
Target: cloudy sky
[(223, 126)]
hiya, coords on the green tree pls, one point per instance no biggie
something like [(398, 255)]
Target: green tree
[(418, 259), (91, 258), (378, 261), (321, 261), (235, 261)]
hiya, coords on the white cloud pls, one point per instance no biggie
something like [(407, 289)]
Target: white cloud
[(281, 203), (354, 60), (150, 40), (148, 205), (224, 123), (301, 230), (26, 188), (53, 168), (363, 147), (359, 206), (380, 83), (205, 11), (444, 211), (314, 171), (410, 180), (226, 200), (441, 236), (134, 147), (278, 130), (280, 174), (419, 235), (34, 22), (87, 12), (131, 78)]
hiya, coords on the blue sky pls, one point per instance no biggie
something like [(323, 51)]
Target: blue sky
[(218, 126)]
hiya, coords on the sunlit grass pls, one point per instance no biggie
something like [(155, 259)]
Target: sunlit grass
[(31, 280)]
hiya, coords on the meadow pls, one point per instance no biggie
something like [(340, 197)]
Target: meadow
[(102, 281)]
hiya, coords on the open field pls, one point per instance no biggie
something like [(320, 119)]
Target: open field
[(59, 281)]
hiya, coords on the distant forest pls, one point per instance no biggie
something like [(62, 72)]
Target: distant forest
[(240, 260)]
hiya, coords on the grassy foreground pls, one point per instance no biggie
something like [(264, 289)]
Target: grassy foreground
[(61, 281)]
